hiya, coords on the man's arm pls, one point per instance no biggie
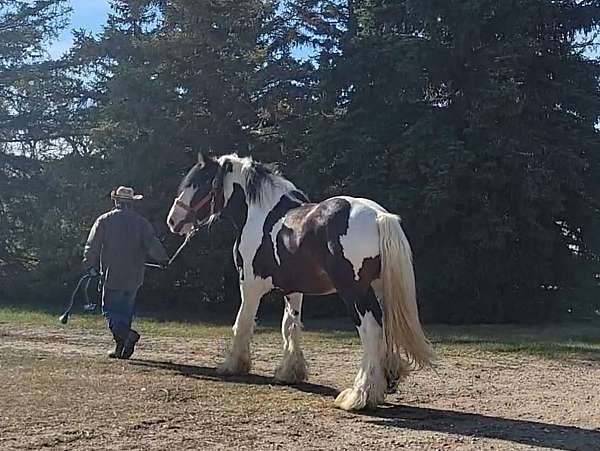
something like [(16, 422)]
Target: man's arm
[(153, 246), (93, 246)]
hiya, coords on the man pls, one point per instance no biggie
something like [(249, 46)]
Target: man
[(118, 245)]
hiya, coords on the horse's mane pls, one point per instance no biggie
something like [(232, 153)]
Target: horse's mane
[(259, 178), (263, 182)]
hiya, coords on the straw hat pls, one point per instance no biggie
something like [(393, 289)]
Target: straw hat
[(125, 193)]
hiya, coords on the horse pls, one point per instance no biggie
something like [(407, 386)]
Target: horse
[(345, 245)]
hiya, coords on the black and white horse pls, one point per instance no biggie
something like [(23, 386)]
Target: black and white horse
[(347, 245)]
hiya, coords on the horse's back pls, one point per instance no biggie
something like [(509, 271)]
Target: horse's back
[(347, 226)]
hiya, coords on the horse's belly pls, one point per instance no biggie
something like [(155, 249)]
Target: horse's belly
[(307, 280)]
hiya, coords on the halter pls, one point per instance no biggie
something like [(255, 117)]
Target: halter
[(192, 210)]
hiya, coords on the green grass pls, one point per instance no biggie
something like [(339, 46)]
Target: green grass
[(96, 322), (578, 340), (568, 340)]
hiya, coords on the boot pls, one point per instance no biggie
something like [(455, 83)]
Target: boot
[(119, 344), (130, 343), (120, 333)]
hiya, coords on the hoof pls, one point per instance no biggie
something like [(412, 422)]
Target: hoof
[(232, 366), (351, 399), (292, 369), (392, 385)]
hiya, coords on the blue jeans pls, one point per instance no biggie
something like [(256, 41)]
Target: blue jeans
[(118, 307)]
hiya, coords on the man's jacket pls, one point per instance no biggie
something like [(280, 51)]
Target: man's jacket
[(119, 244)]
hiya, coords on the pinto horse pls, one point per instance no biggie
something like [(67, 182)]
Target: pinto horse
[(347, 245)]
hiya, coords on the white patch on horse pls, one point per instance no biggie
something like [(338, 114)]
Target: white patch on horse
[(361, 240), (365, 202), (276, 228), (250, 241)]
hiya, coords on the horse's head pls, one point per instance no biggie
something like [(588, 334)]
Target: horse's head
[(200, 195)]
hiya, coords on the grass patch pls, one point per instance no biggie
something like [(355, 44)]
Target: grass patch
[(568, 340), (550, 341), (10, 316)]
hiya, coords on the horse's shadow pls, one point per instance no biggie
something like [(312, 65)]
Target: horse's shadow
[(470, 425), (208, 373), (475, 426)]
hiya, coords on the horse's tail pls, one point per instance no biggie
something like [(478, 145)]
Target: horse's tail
[(403, 332)]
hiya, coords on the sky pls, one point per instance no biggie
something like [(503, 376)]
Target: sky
[(88, 14), (91, 15)]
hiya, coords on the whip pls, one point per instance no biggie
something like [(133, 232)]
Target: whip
[(87, 306)]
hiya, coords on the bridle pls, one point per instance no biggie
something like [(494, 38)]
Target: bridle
[(214, 195), (193, 209)]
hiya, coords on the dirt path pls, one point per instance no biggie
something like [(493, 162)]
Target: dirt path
[(58, 391)]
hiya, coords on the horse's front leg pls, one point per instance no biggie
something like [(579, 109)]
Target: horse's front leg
[(293, 366), (238, 360)]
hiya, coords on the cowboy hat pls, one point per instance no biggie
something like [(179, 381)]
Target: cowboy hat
[(125, 193)]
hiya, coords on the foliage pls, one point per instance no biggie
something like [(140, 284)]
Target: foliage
[(474, 120)]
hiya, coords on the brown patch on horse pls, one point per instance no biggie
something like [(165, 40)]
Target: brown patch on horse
[(369, 271), (310, 257)]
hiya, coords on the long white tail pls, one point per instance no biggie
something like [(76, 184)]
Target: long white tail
[(403, 332)]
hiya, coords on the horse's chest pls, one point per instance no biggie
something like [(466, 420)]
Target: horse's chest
[(266, 261), (246, 248), (259, 249)]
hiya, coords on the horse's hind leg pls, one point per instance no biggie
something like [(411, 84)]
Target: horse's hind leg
[(396, 367), (370, 382), (293, 366)]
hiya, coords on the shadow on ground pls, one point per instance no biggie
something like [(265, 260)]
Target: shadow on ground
[(471, 425), (474, 425), (208, 373)]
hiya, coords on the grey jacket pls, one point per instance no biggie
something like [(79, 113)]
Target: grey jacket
[(119, 243)]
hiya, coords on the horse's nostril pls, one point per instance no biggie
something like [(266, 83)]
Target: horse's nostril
[(171, 222)]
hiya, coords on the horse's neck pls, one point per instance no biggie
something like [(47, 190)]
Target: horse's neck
[(259, 210), (256, 210)]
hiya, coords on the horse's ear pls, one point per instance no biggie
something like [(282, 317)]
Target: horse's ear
[(224, 168)]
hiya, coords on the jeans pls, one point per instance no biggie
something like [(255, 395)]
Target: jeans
[(118, 308)]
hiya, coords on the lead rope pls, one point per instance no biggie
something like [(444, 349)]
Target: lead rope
[(188, 237), (195, 229)]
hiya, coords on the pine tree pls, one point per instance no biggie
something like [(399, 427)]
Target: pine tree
[(30, 123), (476, 122), (173, 78)]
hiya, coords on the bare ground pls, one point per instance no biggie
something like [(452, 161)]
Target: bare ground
[(59, 391)]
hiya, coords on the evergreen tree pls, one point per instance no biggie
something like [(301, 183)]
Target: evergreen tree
[(476, 121), (30, 124), (172, 78)]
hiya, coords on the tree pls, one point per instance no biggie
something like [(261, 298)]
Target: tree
[(172, 78), (475, 121), (30, 123)]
